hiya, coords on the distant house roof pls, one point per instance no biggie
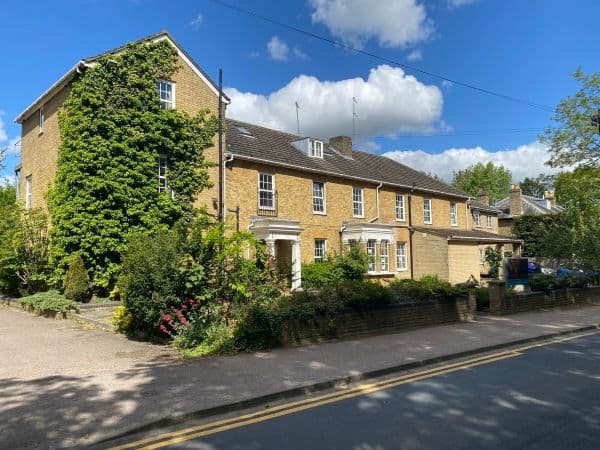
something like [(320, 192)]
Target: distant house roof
[(67, 77), (530, 206), (264, 145), (483, 207), (474, 236)]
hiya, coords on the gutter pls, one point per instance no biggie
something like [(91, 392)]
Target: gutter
[(410, 233)]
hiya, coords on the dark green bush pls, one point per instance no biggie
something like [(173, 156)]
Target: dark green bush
[(358, 294), (50, 302), (482, 296), (320, 274), (349, 266), (150, 281), (77, 281), (543, 282), (426, 288)]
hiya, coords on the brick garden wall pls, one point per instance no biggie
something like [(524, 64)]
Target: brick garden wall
[(379, 320), (502, 303)]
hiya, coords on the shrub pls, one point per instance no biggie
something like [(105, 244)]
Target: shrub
[(77, 281), (359, 294), (320, 274), (427, 288), (150, 283), (24, 251), (122, 320), (47, 303), (542, 282), (350, 266), (482, 296)]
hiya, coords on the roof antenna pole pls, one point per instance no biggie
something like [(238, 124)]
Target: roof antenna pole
[(298, 117), (354, 118)]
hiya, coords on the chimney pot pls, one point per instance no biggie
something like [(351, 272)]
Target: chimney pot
[(515, 203)]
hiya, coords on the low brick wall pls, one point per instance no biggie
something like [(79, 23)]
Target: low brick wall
[(503, 303), (379, 320)]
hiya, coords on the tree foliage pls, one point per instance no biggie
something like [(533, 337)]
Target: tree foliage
[(76, 281), (536, 186), (575, 140), (113, 129), (549, 236), (495, 180)]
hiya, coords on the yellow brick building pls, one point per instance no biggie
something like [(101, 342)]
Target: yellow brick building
[(304, 197)]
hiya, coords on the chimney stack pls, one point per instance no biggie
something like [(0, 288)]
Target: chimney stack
[(342, 144), (549, 197), (514, 201), (483, 197)]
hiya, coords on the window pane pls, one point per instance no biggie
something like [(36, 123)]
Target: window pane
[(371, 254), (357, 202), (400, 255), (383, 255), (318, 197), (319, 249), (266, 193)]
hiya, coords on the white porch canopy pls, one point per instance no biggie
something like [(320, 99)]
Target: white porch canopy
[(363, 232), (271, 229)]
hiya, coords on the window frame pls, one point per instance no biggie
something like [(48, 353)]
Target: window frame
[(453, 214), (163, 177), (481, 257), (28, 191), (355, 202), (401, 257), (428, 210), (477, 218), (490, 222), (272, 191), (315, 148), (323, 250), (384, 257), (41, 119), (371, 258), (163, 102), (322, 198), (400, 208)]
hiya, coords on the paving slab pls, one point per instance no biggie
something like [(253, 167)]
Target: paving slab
[(64, 385)]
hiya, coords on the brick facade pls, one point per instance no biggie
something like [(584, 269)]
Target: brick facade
[(431, 254)]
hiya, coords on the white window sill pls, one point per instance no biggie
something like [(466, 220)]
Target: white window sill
[(427, 223), (401, 270), (453, 224), (400, 220), (379, 273), (316, 213), (359, 217)]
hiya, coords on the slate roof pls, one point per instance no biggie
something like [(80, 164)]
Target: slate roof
[(256, 143), (468, 235), (530, 205)]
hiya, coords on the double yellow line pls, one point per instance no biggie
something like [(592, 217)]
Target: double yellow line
[(175, 437)]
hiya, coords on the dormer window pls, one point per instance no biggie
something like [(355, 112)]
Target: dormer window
[(316, 148)]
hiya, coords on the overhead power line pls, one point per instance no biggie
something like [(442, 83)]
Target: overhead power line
[(471, 132), (383, 58)]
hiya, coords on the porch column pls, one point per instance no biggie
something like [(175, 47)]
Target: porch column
[(296, 265), (270, 243)]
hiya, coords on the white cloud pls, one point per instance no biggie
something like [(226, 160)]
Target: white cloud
[(394, 23), (197, 21), (524, 161), (459, 3), (298, 53), (447, 84), (277, 49), (389, 102), (415, 55)]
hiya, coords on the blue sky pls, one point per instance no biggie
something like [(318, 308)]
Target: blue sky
[(525, 49)]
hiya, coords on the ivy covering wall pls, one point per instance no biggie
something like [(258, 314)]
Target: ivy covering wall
[(112, 131)]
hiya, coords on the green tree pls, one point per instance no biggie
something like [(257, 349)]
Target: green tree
[(113, 130), (575, 139), (538, 185), (495, 180)]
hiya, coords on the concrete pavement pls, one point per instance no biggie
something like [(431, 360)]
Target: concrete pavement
[(62, 385)]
